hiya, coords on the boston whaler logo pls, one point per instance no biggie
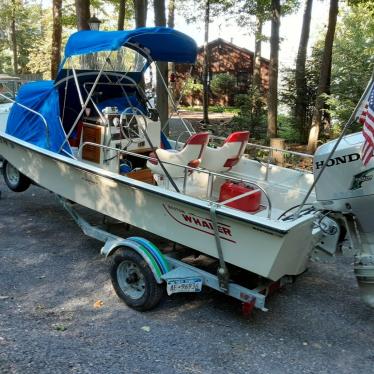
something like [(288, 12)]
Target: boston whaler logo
[(199, 223), (360, 178), (339, 160)]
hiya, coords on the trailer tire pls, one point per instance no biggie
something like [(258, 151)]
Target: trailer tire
[(134, 282), (15, 180)]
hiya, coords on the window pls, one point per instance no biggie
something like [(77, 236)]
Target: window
[(122, 60), (242, 79)]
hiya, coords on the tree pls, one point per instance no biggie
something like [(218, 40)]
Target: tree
[(39, 52), (56, 37), (245, 10), (252, 113), (20, 29), (171, 13), (193, 90), (352, 61), (273, 69), (288, 93), (121, 14), (194, 10), (206, 62), (324, 77), (171, 16), (13, 36), (140, 8), (256, 80), (263, 10), (162, 76), (223, 84), (83, 14), (300, 78)]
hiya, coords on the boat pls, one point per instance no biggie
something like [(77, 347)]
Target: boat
[(92, 137), (8, 87)]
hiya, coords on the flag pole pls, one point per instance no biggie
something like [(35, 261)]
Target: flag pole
[(353, 118)]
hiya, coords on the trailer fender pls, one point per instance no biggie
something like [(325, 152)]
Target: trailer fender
[(144, 248)]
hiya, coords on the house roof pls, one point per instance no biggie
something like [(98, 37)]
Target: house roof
[(232, 45)]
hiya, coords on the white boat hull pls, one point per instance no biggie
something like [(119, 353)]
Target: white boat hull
[(266, 247)]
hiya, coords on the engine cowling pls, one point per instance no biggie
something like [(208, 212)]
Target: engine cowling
[(346, 185)]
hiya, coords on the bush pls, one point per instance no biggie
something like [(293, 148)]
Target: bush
[(223, 84), (251, 115), (193, 89), (287, 129)]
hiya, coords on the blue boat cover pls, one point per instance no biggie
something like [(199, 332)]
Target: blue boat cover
[(163, 43), (41, 97)]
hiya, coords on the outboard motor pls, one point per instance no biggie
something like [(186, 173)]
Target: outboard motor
[(346, 188)]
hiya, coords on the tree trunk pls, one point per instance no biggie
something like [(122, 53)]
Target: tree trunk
[(256, 78), (300, 79), (162, 76), (82, 8), (171, 17), (171, 11), (56, 37), (121, 14), (206, 63), (324, 76), (257, 91), (140, 7), (13, 38), (273, 70)]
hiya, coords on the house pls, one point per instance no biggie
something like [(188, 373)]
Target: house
[(223, 57)]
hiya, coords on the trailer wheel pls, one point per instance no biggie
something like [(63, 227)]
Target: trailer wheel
[(15, 180), (134, 281)]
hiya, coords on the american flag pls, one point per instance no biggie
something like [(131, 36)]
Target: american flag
[(367, 120)]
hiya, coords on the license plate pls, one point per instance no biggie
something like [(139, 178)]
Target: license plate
[(184, 285)]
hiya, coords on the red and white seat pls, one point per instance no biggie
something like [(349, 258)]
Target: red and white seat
[(224, 158), (190, 155)]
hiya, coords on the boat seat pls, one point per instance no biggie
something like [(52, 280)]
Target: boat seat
[(224, 158), (190, 155)]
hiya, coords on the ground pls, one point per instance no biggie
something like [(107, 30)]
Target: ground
[(59, 313)]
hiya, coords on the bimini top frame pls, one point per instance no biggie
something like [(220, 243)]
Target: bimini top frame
[(160, 43)]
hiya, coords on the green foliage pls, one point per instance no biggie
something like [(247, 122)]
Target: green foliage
[(352, 65), (369, 4), (39, 53), (212, 109), (287, 129), (251, 115), (288, 91), (28, 30), (193, 10), (244, 10), (69, 16), (353, 60), (223, 84), (192, 88)]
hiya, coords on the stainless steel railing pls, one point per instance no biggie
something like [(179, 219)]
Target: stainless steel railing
[(32, 111), (190, 169), (270, 151)]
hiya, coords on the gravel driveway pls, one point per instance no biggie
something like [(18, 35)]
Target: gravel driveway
[(59, 313)]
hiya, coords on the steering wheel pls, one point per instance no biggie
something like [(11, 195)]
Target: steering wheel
[(128, 118)]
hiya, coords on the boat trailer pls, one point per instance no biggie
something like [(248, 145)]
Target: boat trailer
[(141, 271)]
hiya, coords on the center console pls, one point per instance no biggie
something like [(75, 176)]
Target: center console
[(123, 132)]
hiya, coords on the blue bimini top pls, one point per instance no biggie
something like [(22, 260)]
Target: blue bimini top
[(162, 43)]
